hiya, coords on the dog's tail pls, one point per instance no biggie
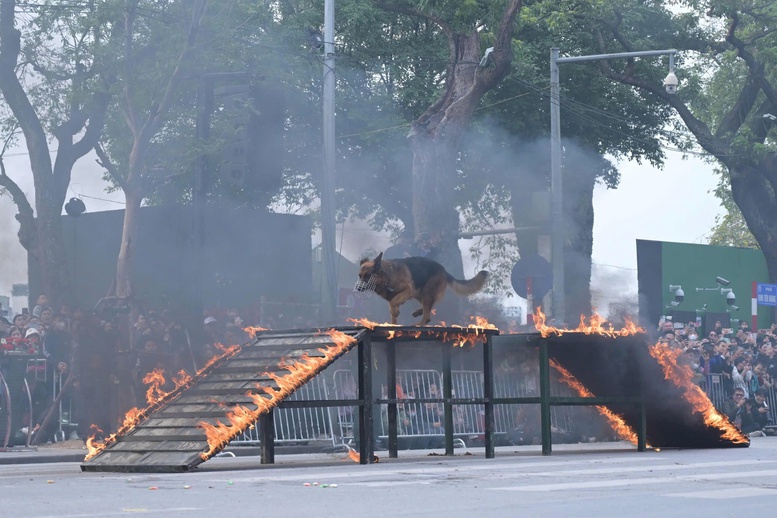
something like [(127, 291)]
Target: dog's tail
[(470, 286)]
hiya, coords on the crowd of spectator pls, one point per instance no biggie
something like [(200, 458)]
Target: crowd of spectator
[(741, 359), (52, 343)]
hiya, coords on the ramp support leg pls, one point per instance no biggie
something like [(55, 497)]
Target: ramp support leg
[(366, 432), (545, 398), (447, 392), (267, 437), (488, 394), (391, 381)]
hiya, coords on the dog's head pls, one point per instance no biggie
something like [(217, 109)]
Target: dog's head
[(369, 273)]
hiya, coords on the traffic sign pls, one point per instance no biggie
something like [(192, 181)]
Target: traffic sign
[(766, 294), (536, 268)]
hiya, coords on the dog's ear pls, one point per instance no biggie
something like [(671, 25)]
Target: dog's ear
[(378, 260), (364, 260)]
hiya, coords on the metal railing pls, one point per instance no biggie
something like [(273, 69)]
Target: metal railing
[(419, 416), (715, 387), (299, 424)]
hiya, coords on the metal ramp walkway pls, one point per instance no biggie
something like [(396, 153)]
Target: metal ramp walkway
[(191, 425)]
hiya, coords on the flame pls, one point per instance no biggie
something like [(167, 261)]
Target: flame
[(253, 330), (597, 326), (301, 370), (354, 455), (617, 423), (156, 397), (682, 377), (472, 333)]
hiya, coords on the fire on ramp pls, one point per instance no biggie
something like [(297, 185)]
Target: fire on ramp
[(191, 425)]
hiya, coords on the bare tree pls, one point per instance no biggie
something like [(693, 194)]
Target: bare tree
[(61, 100)]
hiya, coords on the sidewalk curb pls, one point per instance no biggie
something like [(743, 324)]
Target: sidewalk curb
[(39, 457)]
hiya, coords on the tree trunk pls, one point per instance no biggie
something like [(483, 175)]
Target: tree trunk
[(579, 181), (46, 264), (436, 135), (124, 267), (434, 209), (755, 197)]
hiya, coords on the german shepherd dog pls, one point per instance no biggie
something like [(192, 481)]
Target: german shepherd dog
[(419, 278)]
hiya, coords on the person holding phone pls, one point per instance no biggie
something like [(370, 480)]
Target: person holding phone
[(756, 415)]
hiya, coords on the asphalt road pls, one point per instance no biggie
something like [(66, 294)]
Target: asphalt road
[(578, 481)]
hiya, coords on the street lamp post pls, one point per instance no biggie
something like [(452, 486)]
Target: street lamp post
[(328, 228), (556, 186)]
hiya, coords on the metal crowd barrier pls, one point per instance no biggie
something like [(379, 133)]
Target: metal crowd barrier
[(422, 420), (66, 410), (713, 386), (302, 424)]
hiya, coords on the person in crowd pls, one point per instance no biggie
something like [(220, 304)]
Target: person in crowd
[(46, 317), (692, 358), (665, 326), (20, 320), (233, 332), (34, 340), (717, 358), (66, 314), (718, 328), (764, 380), (765, 351), (756, 415), (214, 334), (57, 345), (41, 302), (734, 407), (741, 375), (766, 357)]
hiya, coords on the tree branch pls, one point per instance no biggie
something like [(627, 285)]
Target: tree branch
[(104, 161), (159, 110), (405, 8), (15, 96), (738, 113), (26, 216)]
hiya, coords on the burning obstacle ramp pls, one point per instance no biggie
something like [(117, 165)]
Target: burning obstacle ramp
[(674, 411), (197, 420)]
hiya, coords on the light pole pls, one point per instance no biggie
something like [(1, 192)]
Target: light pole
[(556, 186), (328, 236)]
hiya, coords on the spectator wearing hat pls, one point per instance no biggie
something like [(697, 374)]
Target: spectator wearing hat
[(33, 338)]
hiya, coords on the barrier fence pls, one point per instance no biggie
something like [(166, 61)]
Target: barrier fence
[(715, 387), (422, 419), (421, 415)]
